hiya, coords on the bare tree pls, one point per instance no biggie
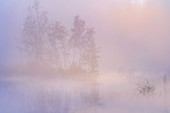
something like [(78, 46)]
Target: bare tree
[(56, 50), (49, 43), (76, 39), (44, 42), (82, 43), (90, 53), (34, 32)]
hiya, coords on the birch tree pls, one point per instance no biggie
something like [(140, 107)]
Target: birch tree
[(34, 32), (56, 49)]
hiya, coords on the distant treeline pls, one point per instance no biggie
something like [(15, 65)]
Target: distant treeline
[(50, 44)]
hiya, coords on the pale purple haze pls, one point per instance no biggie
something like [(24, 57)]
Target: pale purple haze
[(133, 38)]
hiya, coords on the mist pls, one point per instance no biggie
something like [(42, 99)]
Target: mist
[(60, 56)]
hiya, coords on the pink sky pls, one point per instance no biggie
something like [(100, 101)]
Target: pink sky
[(129, 34)]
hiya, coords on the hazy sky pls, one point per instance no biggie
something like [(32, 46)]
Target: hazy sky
[(130, 33)]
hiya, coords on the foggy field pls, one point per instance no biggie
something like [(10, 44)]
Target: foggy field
[(76, 95)]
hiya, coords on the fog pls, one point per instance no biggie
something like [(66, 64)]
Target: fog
[(88, 56)]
